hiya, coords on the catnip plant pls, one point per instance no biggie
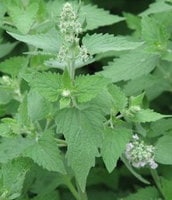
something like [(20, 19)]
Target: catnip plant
[(64, 130)]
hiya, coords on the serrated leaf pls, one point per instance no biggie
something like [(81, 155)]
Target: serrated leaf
[(6, 48), (147, 115), (99, 43), (163, 150), (96, 17), (88, 87), (136, 86), (83, 132), (154, 33), (13, 65), (119, 99), (11, 148), (103, 101), (45, 153), (13, 176), (38, 107), (137, 100), (49, 42), (114, 144), (47, 84), (157, 7), (133, 22), (23, 18), (130, 66), (161, 127)]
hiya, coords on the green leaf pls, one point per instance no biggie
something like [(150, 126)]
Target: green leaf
[(96, 17), (4, 130), (130, 66), (166, 188), (157, 7), (13, 65), (53, 196), (49, 42), (45, 153), (137, 100), (88, 87), (103, 101), (6, 95), (6, 48), (22, 115), (136, 86), (41, 177), (154, 33), (23, 18), (11, 148), (163, 150), (161, 127), (38, 107), (83, 132), (147, 115), (114, 144), (99, 43), (133, 22), (144, 193), (47, 84), (119, 99), (13, 176)]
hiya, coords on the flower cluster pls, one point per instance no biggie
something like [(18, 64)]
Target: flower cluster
[(70, 28), (139, 154)]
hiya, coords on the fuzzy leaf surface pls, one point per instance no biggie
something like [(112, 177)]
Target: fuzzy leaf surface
[(45, 153), (88, 87), (50, 41), (157, 7), (143, 193), (119, 99), (154, 33), (163, 150), (96, 17), (47, 84), (13, 65), (83, 132), (11, 148), (23, 18), (13, 176), (148, 115), (130, 66), (114, 144), (99, 43), (38, 107)]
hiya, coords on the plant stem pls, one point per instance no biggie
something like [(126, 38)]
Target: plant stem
[(72, 188), (157, 180), (82, 195)]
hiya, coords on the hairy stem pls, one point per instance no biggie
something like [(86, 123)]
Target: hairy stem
[(72, 188), (157, 180), (82, 195)]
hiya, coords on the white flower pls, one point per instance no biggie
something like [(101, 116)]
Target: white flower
[(135, 136), (139, 154)]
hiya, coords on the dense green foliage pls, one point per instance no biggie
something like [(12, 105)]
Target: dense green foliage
[(80, 110)]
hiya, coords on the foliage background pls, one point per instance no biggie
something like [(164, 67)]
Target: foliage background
[(101, 185)]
